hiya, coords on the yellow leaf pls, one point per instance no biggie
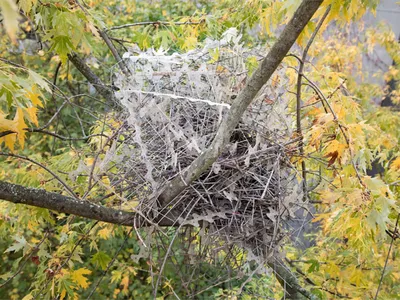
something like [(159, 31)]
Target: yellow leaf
[(10, 17), (104, 233), (20, 126), (190, 42), (4, 123), (63, 294), (28, 297), (79, 278), (395, 165), (32, 113), (34, 97), (125, 283), (10, 141), (89, 161)]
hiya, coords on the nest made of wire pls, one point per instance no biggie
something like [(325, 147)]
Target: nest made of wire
[(172, 107)]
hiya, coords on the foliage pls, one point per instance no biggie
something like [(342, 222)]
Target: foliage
[(345, 135)]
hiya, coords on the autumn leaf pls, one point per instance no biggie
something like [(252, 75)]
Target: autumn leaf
[(20, 126), (104, 233), (5, 124), (28, 297), (395, 165), (125, 283), (34, 97), (26, 5), (32, 113), (79, 278), (10, 141), (333, 156)]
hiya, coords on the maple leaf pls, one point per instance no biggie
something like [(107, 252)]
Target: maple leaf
[(79, 278), (104, 233), (101, 259), (10, 141), (20, 243), (4, 123), (125, 283), (20, 126), (333, 156), (28, 297), (34, 97), (32, 113)]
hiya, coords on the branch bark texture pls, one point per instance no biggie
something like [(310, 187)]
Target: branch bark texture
[(100, 87), (260, 77), (40, 198)]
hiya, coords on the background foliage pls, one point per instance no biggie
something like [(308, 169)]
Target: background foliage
[(346, 136)]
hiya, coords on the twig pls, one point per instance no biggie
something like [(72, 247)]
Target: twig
[(342, 129), (387, 259), (155, 23), (110, 264), (26, 260), (68, 258), (298, 101), (109, 43)]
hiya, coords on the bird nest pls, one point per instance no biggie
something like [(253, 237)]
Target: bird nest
[(172, 108)]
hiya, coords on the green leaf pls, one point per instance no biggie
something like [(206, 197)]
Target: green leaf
[(39, 80), (314, 266), (26, 5), (101, 259), (62, 46), (18, 245)]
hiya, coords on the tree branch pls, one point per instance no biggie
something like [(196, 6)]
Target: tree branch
[(100, 87), (263, 73), (155, 23), (40, 198), (299, 101), (289, 281)]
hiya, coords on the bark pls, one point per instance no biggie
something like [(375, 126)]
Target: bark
[(100, 87), (263, 73), (40, 198), (289, 281)]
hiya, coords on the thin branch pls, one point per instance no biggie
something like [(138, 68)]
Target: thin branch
[(341, 127), (109, 43), (155, 23), (110, 264), (387, 259), (299, 100), (21, 267), (287, 279)]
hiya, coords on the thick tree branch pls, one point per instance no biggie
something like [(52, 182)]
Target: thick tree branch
[(40, 198), (289, 281), (263, 73), (100, 87)]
